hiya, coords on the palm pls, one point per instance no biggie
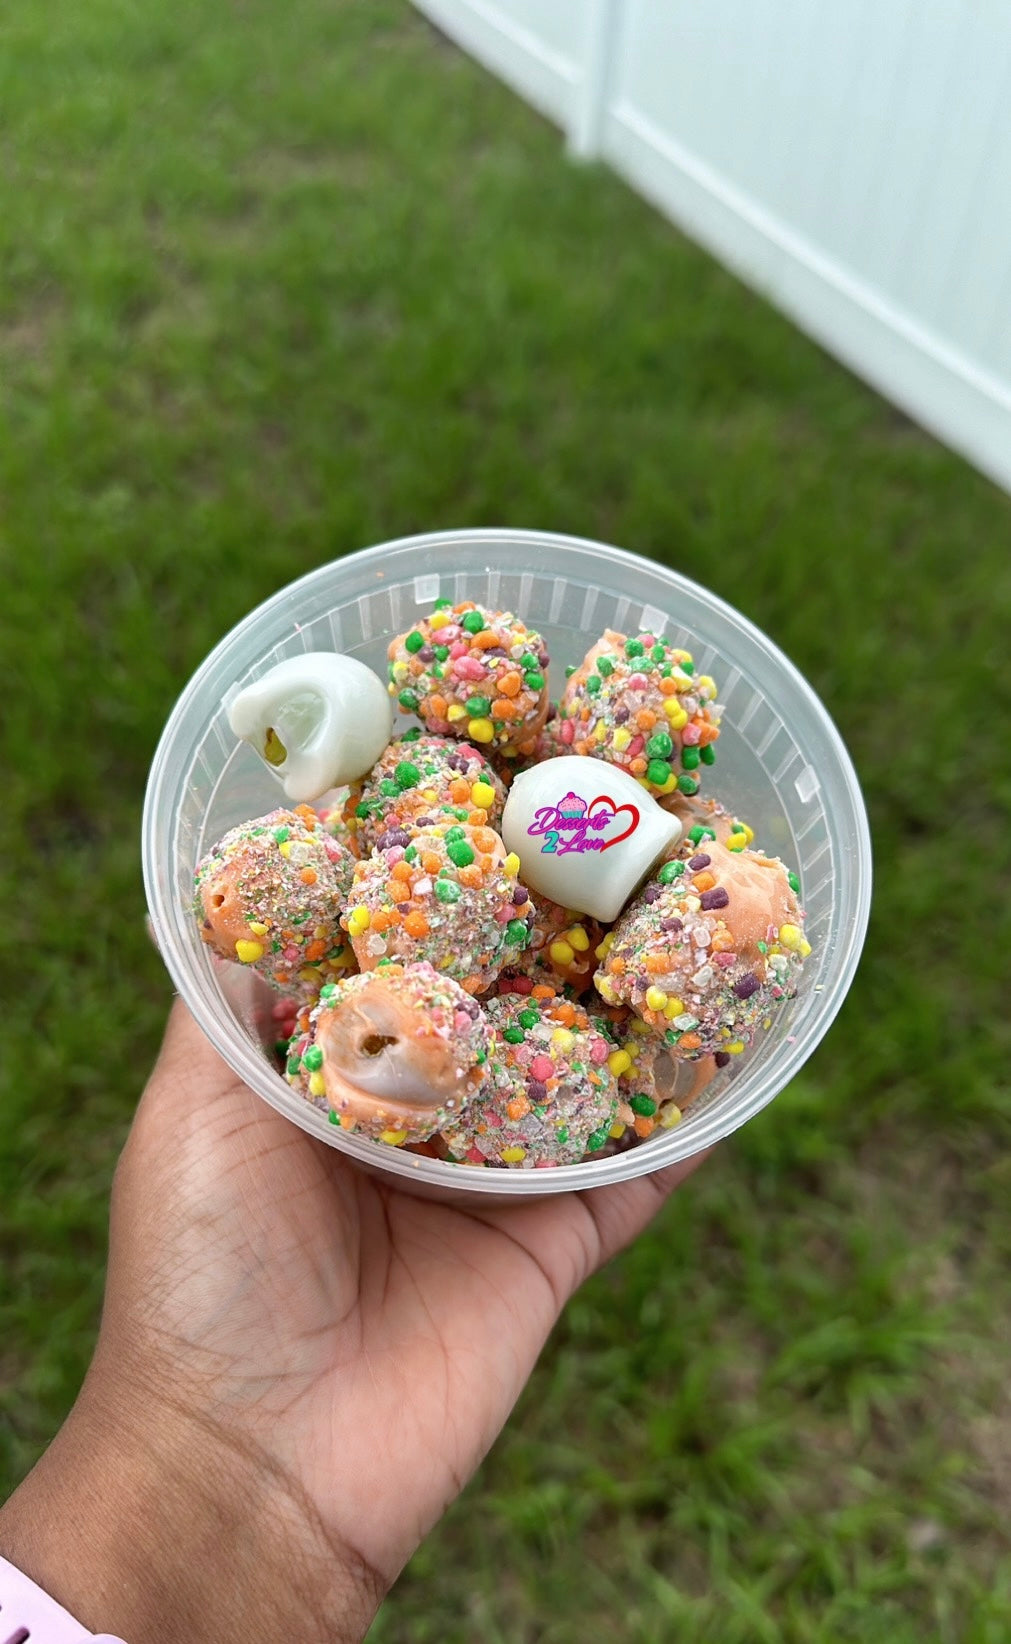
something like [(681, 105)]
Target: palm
[(369, 1343)]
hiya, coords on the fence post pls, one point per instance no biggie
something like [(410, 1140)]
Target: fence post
[(590, 105)]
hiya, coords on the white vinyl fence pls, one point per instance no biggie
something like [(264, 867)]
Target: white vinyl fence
[(851, 159)]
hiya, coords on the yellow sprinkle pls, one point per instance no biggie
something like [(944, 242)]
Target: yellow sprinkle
[(317, 1087), (670, 784), (285, 848), (309, 973), (621, 739), (482, 730), (639, 1026), (391, 688), (674, 1007), (400, 671), (603, 948), (737, 841), (483, 794), (258, 929), (513, 1155), (670, 1115), (735, 1047), (600, 733), (619, 1062), (511, 865), (616, 1130), (577, 938), (606, 990), (805, 948), (656, 998), (438, 619), (320, 931), (359, 919), (454, 713), (394, 1138), (791, 937), (707, 683), (429, 795), (675, 713), (563, 1040), (249, 952), (742, 827), (561, 953)]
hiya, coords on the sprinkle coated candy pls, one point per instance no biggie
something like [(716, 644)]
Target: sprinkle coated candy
[(426, 780), (707, 950), (551, 1097), (473, 673), (269, 895), (562, 950), (654, 1087), (447, 894), (335, 811), (639, 704), (395, 1055), (703, 817)]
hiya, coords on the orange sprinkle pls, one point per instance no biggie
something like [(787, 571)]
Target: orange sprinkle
[(401, 869), (707, 733), (645, 719), (486, 640), (416, 924), (643, 1125), (315, 950), (383, 919), (690, 1041), (667, 687), (282, 976), (431, 861), (476, 817), (542, 992), (471, 876), (565, 1014), (518, 1108), (502, 708), (638, 766), (308, 816), (722, 941), (583, 747), (308, 876), (704, 881), (655, 963), (437, 706), (459, 792), (288, 936), (398, 891), (510, 684), (464, 605), (616, 965), (485, 839)]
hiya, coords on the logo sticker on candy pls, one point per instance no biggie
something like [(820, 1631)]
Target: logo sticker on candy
[(574, 825)]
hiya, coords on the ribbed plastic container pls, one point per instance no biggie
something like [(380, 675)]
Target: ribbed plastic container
[(781, 765)]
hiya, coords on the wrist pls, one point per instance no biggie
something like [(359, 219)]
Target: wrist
[(148, 1524)]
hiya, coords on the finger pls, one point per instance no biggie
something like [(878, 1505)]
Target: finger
[(621, 1212)]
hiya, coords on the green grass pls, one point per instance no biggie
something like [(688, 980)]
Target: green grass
[(278, 283)]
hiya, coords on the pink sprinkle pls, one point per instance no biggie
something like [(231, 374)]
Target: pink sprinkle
[(468, 667), (542, 1067), (648, 640), (725, 959), (637, 682), (394, 854), (690, 734), (461, 1021), (473, 1156), (636, 746), (332, 848), (290, 954), (459, 649), (600, 1050), (566, 731), (546, 1164), (504, 913)]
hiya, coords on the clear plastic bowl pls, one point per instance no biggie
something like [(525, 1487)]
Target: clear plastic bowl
[(782, 766)]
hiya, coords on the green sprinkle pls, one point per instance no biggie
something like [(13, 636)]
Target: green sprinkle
[(708, 754), (596, 1141), (481, 1058), (460, 853), (293, 1066), (513, 1035), (660, 746), (516, 933), (593, 683), (634, 647), (535, 681), (479, 706), (562, 1133), (454, 833), (333, 1117), (473, 622), (657, 772), (672, 1036), (312, 1061), (690, 758), (763, 947), (328, 989), (281, 834), (407, 774), (570, 668), (447, 890), (461, 815), (412, 735), (388, 788), (605, 667), (793, 882), (414, 641), (441, 653), (642, 1105), (408, 700), (658, 653), (698, 834), (528, 661), (687, 666), (411, 854), (528, 1018), (670, 871), (442, 605), (391, 672), (687, 785)]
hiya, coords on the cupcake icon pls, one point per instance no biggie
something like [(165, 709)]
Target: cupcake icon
[(572, 806)]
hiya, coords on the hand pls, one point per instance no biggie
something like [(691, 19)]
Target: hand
[(299, 1367)]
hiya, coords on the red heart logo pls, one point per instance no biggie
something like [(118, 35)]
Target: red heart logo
[(616, 810)]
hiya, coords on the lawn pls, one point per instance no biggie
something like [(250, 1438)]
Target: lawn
[(280, 282)]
